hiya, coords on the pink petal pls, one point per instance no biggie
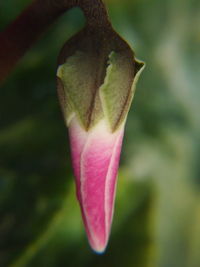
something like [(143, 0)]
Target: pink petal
[(95, 157)]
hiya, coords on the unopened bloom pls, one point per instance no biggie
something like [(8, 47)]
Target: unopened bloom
[(96, 83)]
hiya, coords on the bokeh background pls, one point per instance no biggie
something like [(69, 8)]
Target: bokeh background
[(157, 212)]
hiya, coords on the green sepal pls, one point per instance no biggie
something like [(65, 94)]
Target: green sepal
[(81, 96), (117, 92), (78, 77)]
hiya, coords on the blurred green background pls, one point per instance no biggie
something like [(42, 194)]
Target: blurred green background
[(157, 212)]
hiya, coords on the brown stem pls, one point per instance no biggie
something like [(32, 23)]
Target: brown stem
[(34, 20)]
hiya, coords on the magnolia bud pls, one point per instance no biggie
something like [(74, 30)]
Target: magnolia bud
[(97, 74)]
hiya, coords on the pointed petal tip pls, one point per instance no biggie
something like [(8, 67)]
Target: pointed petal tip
[(99, 249)]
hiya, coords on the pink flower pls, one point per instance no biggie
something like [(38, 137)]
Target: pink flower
[(95, 156)]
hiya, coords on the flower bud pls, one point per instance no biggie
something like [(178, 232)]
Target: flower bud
[(97, 74)]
